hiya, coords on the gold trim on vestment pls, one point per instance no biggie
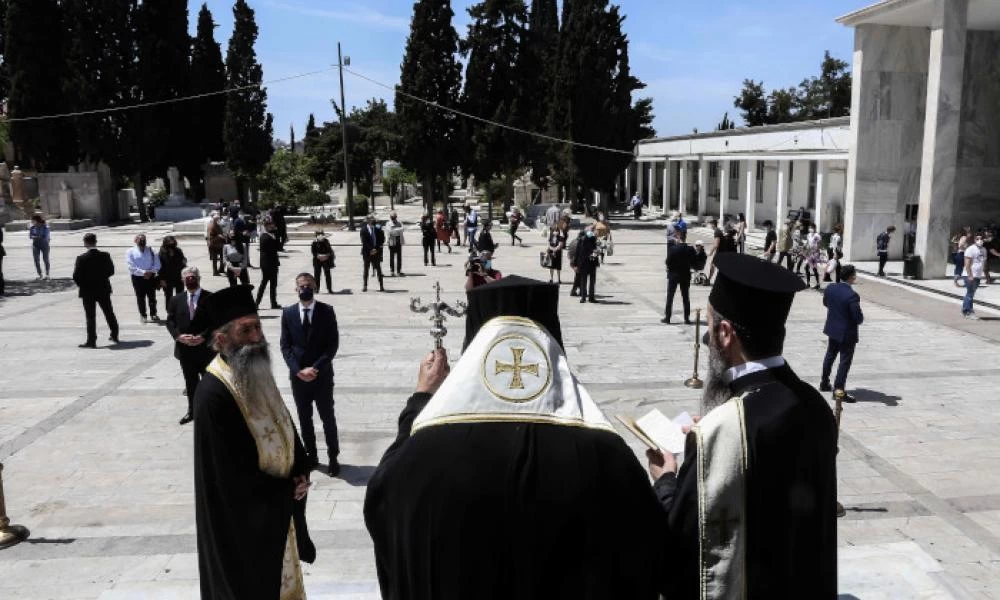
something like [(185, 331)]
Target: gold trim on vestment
[(513, 418)]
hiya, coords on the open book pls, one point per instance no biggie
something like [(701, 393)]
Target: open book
[(657, 431)]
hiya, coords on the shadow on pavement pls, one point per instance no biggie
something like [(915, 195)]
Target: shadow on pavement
[(356, 475), (131, 344), (866, 395), (16, 287)]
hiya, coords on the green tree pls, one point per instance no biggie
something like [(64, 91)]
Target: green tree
[(286, 180), (34, 59), (431, 72), (538, 65), (725, 123), (752, 101), (248, 127), (781, 106), (312, 133), (395, 178), (494, 86), (208, 74), (828, 95)]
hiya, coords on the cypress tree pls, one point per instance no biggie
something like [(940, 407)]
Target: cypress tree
[(429, 71), (539, 58), (249, 128), (208, 74), (4, 74), (292, 142), (312, 134)]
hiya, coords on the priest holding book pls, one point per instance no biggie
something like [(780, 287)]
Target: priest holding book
[(751, 513)]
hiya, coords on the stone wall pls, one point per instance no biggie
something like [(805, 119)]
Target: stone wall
[(977, 184), (887, 129), (93, 195)]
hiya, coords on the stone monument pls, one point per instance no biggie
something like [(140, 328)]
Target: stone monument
[(178, 207), (65, 201)]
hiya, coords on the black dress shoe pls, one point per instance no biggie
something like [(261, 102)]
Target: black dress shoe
[(333, 469), (688, 322), (275, 306), (88, 345), (113, 338), (364, 289), (573, 293), (591, 300), (582, 300), (665, 320), (186, 419), (825, 387)]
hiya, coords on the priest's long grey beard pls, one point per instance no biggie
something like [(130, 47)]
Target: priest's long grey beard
[(716, 391), (251, 365)]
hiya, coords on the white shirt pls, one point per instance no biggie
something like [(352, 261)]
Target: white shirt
[(978, 256), (831, 266), (813, 240), (311, 308), (142, 261), (753, 366), (835, 241)]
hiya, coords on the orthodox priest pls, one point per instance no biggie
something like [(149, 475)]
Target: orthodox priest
[(251, 472), (506, 480), (752, 511)]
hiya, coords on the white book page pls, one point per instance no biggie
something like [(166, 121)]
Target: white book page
[(666, 433)]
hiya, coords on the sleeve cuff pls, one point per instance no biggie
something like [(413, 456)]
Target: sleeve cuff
[(665, 488)]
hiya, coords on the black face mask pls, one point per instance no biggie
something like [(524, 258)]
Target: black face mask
[(305, 294)]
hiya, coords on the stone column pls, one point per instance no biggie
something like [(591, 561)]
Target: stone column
[(941, 133), (702, 187), (628, 181), (782, 199), (652, 184), (682, 190), (820, 191), (666, 185), (750, 168), (723, 189), (640, 182)]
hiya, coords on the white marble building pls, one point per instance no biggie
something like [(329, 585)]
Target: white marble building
[(922, 141)]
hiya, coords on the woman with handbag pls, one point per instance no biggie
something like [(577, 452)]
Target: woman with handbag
[(323, 258), (557, 242), (172, 262)]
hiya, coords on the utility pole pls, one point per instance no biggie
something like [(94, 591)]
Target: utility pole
[(343, 135)]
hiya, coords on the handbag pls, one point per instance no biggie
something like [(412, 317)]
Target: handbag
[(545, 260), (611, 248)]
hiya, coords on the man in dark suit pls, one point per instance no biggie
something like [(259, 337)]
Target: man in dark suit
[(92, 275), (681, 258), (269, 247), (843, 315), (191, 347), (372, 239), (309, 341), (586, 262)]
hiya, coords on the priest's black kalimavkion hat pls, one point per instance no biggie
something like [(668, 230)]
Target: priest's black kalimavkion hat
[(226, 305), (513, 296), (753, 293)]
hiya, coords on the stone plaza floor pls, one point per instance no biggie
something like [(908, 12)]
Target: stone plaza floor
[(96, 466)]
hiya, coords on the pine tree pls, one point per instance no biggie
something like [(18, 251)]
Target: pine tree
[(312, 134), (208, 74), (429, 71), (538, 64), (752, 101), (34, 59), (249, 128), (494, 89)]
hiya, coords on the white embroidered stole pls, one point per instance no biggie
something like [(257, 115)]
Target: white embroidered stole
[(274, 434), (722, 465)]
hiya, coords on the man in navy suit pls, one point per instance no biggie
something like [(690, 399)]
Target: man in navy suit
[(309, 341), (843, 315), (92, 274), (372, 239)]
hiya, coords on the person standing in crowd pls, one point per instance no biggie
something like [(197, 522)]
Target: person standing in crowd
[(309, 342), (571, 254), (454, 229), (269, 263), (471, 225), (798, 247), (515, 223), (836, 241), (428, 234), (241, 233), (882, 248), (323, 260), (960, 241), (281, 227), (395, 242), (832, 271), (763, 528), (216, 242), (785, 245), (975, 264), (234, 253), (843, 316), (443, 230), (144, 267), (3, 253), (717, 238), (372, 239), (587, 261), (92, 274), (40, 237), (552, 217), (187, 327), (636, 206), (811, 252), (681, 259), (479, 270), (770, 242), (557, 243), (172, 262), (741, 233), (485, 242), (681, 224)]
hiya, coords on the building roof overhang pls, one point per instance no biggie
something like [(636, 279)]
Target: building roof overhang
[(983, 14)]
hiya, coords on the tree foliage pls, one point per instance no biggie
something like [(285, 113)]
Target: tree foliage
[(371, 135), (208, 74), (538, 65), (752, 102), (823, 97), (725, 123), (312, 133), (286, 180)]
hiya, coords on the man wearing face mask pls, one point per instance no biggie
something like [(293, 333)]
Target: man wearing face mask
[(190, 341), (752, 511), (309, 341), (372, 240), (975, 267), (587, 260), (144, 266)]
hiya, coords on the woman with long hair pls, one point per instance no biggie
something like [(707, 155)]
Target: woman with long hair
[(172, 262)]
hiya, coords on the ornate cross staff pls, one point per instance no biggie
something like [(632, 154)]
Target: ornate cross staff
[(438, 331)]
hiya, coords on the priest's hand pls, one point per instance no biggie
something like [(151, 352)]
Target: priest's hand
[(660, 463), (434, 370), (301, 486)]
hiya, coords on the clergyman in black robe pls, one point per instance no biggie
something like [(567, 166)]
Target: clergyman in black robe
[(251, 472), (752, 511), (507, 481)]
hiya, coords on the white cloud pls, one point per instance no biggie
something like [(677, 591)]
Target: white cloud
[(349, 13)]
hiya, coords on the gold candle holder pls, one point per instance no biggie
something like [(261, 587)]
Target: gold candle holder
[(694, 382), (10, 535)]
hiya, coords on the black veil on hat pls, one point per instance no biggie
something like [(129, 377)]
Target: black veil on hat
[(224, 306), (753, 293), (513, 296)]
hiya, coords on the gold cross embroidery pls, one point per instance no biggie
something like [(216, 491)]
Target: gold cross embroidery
[(517, 368)]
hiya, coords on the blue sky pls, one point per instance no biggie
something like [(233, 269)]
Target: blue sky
[(692, 55)]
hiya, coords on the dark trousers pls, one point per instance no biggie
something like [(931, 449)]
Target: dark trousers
[(90, 310), (783, 256), (2, 290), (372, 262), (429, 249), (269, 275), (588, 280), (513, 234), (396, 259), (325, 267), (244, 277), (846, 352), (318, 392), (685, 284), (170, 289), (883, 257), (215, 255), (145, 290), (193, 371)]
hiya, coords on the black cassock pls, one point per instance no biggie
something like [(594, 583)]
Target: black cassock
[(791, 488), (513, 510), (242, 512)]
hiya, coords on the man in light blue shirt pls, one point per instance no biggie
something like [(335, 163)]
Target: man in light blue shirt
[(144, 267)]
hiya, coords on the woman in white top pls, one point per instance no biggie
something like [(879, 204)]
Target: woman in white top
[(836, 242), (811, 253)]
